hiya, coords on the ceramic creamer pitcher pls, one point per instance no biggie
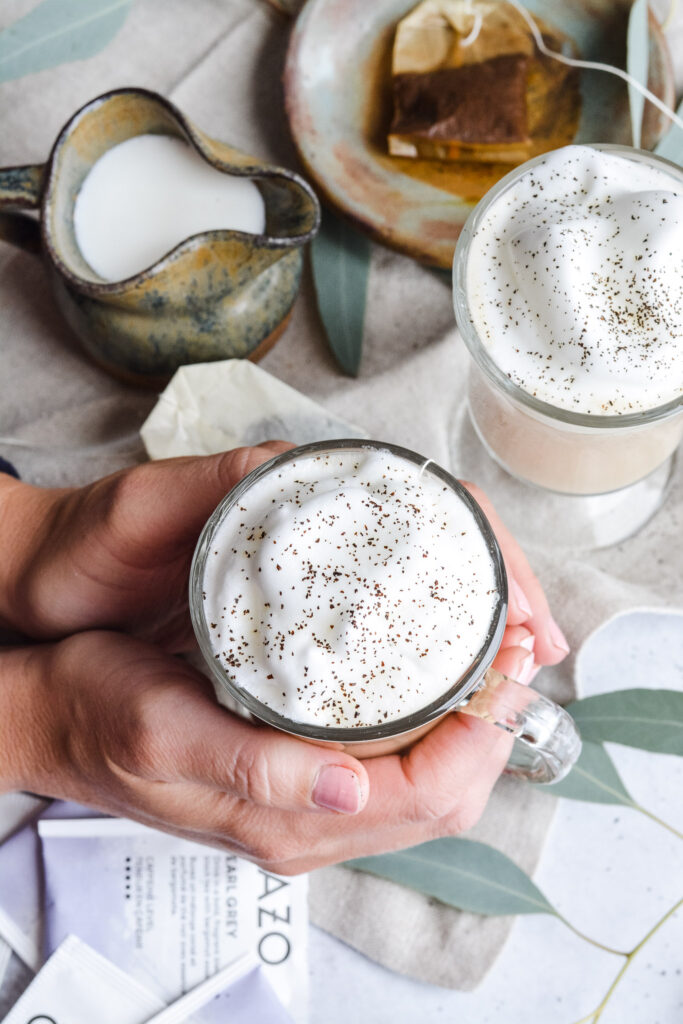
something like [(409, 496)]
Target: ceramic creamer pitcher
[(216, 295)]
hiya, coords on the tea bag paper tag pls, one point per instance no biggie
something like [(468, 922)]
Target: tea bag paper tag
[(212, 407)]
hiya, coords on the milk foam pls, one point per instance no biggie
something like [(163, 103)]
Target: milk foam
[(575, 282), (348, 589), (145, 196)]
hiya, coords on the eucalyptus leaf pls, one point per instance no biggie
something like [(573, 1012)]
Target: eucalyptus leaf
[(340, 258), (594, 779), (671, 145), (637, 62), (57, 31), (462, 873), (444, 275), (647, 719)]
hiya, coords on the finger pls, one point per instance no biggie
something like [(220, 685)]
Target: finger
[(185, 492), (551, 644), (519, 607), (272, 769), (249, 762), (518, 636), (289, 842), (517, 663), (438, 787)]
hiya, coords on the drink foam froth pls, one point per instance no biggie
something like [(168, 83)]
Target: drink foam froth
[(348, 588), (575, 282)]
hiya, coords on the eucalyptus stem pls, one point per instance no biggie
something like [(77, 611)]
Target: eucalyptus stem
[(653, 817), (587, 938), (597, 1013)]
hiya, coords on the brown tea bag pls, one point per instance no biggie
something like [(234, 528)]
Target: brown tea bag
[(461, 76)]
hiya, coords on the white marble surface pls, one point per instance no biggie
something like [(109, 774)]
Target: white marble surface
[(610, 870)]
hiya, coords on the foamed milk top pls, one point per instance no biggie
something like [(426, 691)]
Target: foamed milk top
[(348, 589), (575, 282)]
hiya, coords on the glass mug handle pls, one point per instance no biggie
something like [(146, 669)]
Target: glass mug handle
[(547, 742)]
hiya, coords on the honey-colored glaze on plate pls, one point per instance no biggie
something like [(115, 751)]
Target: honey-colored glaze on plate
[(338, 99)]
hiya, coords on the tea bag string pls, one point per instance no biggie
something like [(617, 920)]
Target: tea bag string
[(473, 34), (673, 4), (591, 65)]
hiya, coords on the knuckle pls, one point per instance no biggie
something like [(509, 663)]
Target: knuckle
[(138, 754), (272, 852), (433, 804), (250, 774), (233, 465), (431, 799), (123, 490), (464, 817), (142, 746)]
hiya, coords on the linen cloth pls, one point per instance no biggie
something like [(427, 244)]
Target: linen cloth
[(220, 61)]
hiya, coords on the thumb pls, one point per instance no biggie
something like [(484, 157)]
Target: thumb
[(185, 491), (261, 765)]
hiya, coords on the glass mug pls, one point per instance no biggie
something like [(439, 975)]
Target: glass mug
[(546, 741), (624, 459)]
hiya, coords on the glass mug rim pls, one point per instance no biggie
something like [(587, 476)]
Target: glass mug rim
[(449, 699), (477, 349)]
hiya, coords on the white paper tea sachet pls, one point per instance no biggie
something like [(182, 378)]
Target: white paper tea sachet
[(239, 994), (79, 986), (17, 809), (170, 912), (21, 873), (5, 957), (211, 407), (20, 895)]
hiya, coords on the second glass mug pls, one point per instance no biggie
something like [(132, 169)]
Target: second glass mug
[(546, 741), (558, 449)]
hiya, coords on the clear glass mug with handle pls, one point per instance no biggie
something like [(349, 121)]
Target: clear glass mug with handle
[(602, 475), (546, 741)]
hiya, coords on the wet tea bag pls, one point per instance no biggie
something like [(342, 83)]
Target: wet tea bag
[(211, 407), (469, 83)]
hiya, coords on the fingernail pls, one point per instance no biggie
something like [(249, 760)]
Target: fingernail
[(337, 789), (536, 670), (520, 598), (557, 637), (528, 643), (526, 670)]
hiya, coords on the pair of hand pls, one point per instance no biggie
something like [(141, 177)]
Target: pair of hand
[(103, 713)]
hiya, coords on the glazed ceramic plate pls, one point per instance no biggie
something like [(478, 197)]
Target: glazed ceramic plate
[(337, 93)]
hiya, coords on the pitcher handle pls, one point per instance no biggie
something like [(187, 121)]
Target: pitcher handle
[(547, 742), (21, 188)]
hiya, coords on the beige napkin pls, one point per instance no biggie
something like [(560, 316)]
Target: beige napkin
[(221, 61)]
